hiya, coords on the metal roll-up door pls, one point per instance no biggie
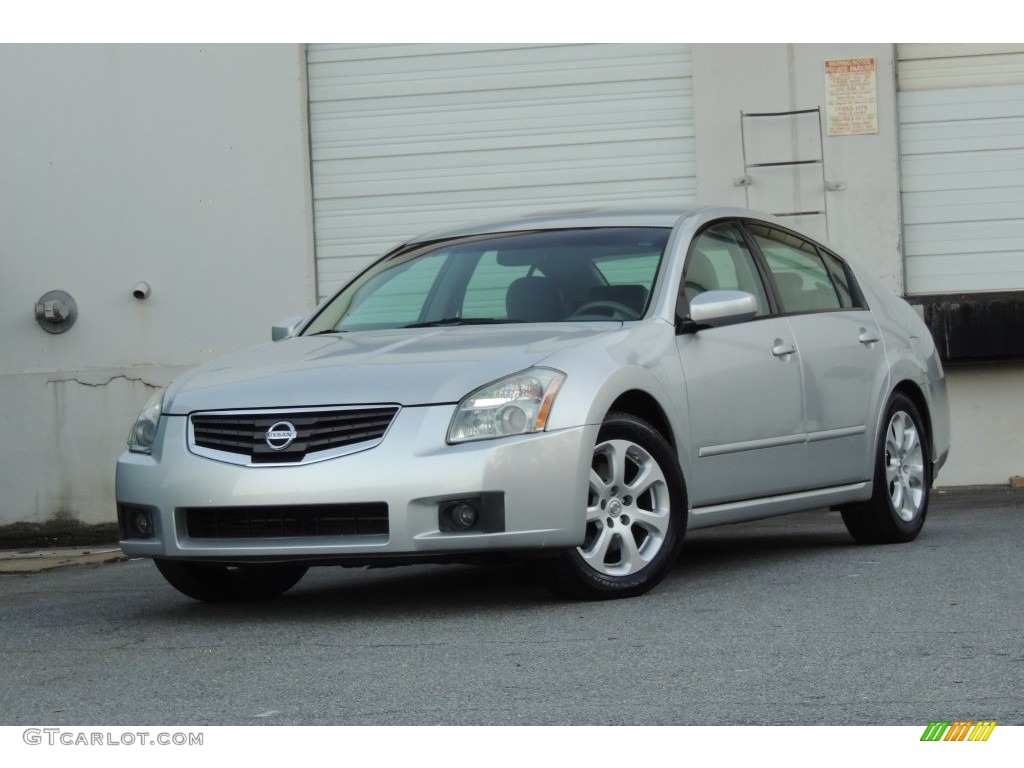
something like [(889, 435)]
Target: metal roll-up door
[(961, 122), (410, 138)]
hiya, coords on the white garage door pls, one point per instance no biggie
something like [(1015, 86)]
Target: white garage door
[(409, 138), (961, 113)]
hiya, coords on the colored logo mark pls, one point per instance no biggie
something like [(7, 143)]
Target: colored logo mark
[(958, 730)]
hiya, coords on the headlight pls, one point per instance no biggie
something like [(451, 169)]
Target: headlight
[(143, 434), (513, 406)]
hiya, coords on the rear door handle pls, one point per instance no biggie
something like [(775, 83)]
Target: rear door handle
[(782, 349), (867, 337)]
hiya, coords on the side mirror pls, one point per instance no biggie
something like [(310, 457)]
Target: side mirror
[(718, 308), (286, 328)]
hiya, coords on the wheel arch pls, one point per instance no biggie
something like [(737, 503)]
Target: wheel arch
[(643, 405), (882, 517), (914, 392)]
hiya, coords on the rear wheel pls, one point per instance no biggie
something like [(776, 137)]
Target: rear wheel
[(899, 502), (230, 583), (636, 515)]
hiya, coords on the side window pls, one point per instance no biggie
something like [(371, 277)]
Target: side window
[(719, 260), (803, 281), (841, 279)]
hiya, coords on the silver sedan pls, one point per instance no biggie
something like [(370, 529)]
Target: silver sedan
[(573, 390)]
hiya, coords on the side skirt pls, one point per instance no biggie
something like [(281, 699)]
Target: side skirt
[(756, 509)]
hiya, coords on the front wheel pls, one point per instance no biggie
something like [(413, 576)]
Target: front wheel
[(896, 510), (229, 583), (636, 516)]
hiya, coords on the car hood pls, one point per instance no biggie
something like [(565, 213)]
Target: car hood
[(408, 366)]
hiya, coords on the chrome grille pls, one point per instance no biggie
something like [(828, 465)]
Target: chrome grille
[(244, 434)]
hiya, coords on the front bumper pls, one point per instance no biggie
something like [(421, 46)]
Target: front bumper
[(541, 481)]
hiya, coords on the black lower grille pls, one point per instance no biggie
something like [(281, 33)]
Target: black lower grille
[(276, 521), (310, 431)]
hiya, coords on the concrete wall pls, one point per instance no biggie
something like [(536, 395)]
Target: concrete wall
[(183, 166), (864, 217), (987, 423)]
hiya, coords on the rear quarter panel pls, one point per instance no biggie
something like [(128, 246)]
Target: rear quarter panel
[(912, 357)]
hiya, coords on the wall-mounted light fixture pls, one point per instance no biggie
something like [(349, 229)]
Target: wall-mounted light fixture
[(56, 312)]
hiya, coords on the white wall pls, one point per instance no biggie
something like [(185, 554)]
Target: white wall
[(184, 166), (987, 424), (863, 218)]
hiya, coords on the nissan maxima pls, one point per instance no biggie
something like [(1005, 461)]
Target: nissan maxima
[(573, 391)]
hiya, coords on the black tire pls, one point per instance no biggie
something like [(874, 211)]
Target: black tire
[(230, 584), (898, 505), (636, 516)]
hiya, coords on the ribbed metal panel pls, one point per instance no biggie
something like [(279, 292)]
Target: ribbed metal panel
[(921, 66), (409, 138), (962, 171)]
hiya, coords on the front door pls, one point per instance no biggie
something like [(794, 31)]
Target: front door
[(743, 384)]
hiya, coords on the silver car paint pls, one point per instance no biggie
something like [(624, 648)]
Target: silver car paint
[(739, 449), (373, 367), (543, 475), (842, 356), (912, 356)]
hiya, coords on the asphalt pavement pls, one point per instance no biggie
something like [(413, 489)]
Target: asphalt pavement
[(777, 622)]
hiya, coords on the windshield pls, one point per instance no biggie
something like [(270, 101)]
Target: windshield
[(566, 275)]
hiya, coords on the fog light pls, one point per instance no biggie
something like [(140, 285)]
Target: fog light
[(460, 516), (143, 523), (463, 515), (136, 522)]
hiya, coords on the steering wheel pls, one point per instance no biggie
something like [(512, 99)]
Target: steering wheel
[(612, 309)]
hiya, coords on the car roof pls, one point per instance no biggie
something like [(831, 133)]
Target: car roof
[(598, 217)]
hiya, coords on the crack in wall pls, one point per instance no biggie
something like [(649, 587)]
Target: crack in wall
[(77, 380)]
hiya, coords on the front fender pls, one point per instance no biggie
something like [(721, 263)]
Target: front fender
[(640, 361)]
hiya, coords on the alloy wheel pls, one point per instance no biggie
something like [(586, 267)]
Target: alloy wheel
[(904, 466), (628, 509)]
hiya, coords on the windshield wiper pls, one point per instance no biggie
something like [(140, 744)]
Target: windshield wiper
[(460, 321), (329, 330)]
